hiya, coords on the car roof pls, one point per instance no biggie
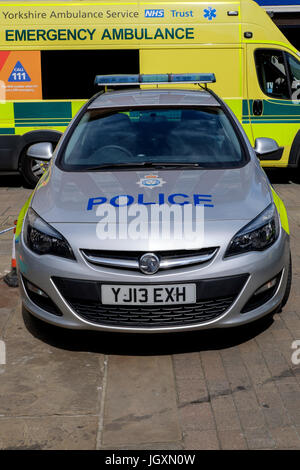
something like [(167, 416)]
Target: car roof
[(154, 97)]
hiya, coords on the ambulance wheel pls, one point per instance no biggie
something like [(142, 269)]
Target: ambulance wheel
[(31, 169)]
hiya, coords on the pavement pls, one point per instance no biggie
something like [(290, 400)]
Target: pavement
[(222, 389)]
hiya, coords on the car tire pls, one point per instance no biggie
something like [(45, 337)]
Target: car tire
[(31, 169)]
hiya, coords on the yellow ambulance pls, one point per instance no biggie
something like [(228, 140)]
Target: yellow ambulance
[(51, 52)]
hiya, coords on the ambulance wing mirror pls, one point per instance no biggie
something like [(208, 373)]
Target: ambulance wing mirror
[(267, 149), (41, 151)]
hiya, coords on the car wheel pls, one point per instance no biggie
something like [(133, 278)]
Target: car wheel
[(31, 169)]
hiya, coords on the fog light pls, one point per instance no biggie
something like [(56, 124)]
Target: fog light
[(263, 294), (41, 299), (266, 286), (35, 289)]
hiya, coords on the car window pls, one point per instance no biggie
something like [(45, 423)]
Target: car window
[(272, 73), (294, 66), (205, 136)]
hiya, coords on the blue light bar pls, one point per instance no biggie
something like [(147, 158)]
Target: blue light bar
[(193, 77), (154, 79), (116, 79)]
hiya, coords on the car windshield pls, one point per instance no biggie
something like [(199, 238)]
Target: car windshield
[(204, 137)]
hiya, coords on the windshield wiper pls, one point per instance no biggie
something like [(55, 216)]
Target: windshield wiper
[(106, 166), (177, 164), (114, 165)]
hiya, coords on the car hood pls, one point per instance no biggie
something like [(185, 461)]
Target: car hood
[(74, 197)]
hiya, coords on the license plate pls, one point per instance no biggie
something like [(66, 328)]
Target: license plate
[(148, 295)]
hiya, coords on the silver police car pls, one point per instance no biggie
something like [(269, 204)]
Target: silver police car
[(154, 215)]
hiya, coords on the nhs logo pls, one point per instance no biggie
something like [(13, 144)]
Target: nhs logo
[(154, 13)]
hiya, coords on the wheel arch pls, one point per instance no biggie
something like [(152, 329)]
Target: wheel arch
[(294, 157)]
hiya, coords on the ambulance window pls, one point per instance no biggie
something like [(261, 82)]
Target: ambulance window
[(70, 74), (272, 73), (294, 66)]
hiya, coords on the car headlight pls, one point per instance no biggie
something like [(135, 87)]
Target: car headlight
[(43, 239), (258, 235)]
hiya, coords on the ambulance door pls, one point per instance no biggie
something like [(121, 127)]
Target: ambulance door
[(273, 80)]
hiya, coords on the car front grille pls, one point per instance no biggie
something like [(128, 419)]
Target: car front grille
[(168, 259), (150, 317), (213, 298)]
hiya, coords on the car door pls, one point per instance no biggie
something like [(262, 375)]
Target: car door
[(273, 97)]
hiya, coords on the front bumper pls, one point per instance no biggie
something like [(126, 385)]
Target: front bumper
[(257, 267)]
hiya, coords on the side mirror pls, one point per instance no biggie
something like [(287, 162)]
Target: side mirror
[(267, 149), (41, 151)]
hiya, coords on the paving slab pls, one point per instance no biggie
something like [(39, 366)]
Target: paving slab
[(9, 300), (41, 380), (48, 433), (140, 403)]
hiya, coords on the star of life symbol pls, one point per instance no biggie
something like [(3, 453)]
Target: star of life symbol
[(150, 181), (210, 13)]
